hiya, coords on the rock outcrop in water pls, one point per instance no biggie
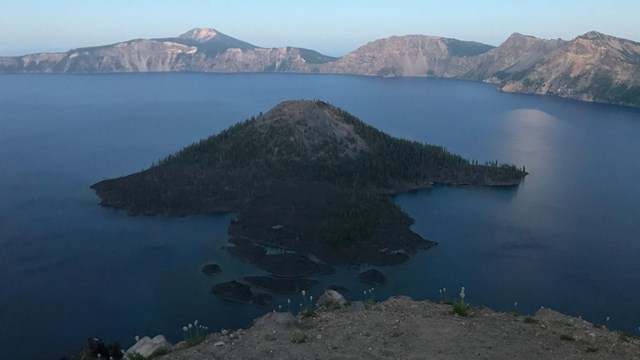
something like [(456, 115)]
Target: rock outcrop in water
[(305, 177), (591, 67)]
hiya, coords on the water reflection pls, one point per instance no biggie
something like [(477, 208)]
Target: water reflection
[(530, 132)]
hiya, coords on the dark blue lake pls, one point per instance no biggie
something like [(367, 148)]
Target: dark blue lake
[(568, 238)]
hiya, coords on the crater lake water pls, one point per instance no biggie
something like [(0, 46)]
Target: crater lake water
[(568, 238)]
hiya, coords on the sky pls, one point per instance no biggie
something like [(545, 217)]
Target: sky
[(333, 27)]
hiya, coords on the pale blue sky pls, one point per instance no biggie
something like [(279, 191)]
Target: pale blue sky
[(333, 27)]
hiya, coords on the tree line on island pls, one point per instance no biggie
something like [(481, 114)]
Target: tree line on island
[(388, 162), (313, 167)]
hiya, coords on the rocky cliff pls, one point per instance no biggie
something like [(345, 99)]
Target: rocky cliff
[(413, 55), (591, 67), (198, 50), (517, 53)]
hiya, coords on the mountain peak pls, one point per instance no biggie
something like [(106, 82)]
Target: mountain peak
[(312, 125), (200, 34), (632, 47), (518, 36), (593, 35)]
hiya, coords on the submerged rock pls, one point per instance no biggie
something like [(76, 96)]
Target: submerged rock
[(281, 285), (246, 250), (238, 292), (211, 269), (292, 265), (280, 265), (372, 277)]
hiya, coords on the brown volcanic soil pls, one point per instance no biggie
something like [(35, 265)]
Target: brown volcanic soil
[(400, 328)]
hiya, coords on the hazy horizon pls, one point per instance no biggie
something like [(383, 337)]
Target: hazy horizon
[(331, 27)]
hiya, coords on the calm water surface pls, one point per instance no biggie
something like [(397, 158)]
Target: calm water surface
[(568, 238)]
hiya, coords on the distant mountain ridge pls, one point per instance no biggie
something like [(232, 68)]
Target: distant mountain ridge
[(591, 67)]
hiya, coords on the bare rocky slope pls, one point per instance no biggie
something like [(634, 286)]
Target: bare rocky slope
[(517, 53), (412, 55), (400, 328), (420, 55), (591, 67)]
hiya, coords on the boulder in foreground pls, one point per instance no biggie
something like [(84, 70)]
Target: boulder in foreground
[(148, 346), (331, 299)]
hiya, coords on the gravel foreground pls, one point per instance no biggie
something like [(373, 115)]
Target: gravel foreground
[(401, 328)]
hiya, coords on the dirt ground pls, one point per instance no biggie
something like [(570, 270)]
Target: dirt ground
[(400, 328)]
